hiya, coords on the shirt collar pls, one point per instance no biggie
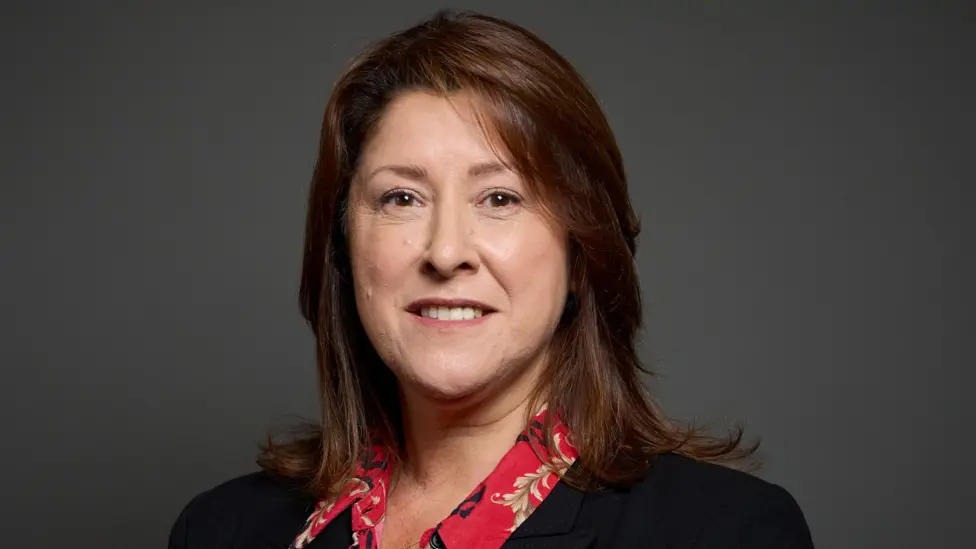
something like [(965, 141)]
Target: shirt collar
[(484, 520)]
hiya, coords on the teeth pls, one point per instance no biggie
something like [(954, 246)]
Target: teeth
[(450, 313)]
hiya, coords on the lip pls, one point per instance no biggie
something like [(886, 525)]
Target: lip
[(415, 307)]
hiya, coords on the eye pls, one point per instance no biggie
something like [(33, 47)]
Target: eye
[(501, 199), (400, 198)]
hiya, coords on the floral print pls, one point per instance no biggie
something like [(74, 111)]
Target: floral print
[(517, 486), (532, 488)]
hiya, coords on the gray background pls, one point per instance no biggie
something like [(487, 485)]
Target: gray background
[(803, 179)]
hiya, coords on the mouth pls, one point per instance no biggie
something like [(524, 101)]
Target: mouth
[(448, 310)]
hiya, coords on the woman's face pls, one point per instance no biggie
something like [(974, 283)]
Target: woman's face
[(459, 279)]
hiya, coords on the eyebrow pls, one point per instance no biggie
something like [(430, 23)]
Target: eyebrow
[(418, 173)]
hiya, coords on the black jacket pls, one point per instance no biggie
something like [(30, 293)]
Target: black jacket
[(679, 504)]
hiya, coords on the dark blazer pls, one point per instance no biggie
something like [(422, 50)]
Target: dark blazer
[(679, 504)]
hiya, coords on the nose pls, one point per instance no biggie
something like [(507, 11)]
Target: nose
[(449, 248)]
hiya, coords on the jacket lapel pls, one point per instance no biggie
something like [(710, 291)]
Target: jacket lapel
[(553, 524), (338, 534)]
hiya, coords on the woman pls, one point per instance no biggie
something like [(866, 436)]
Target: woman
[(469, 276)]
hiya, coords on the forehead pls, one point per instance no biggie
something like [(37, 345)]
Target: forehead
[(427, 127)]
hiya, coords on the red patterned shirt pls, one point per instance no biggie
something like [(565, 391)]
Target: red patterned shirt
[(484, 520)]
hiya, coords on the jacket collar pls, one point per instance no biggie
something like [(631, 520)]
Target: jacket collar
[(553, 523)]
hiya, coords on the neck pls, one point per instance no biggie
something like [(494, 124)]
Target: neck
[(457, 446)]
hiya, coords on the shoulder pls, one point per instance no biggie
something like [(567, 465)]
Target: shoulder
[(705, 505), (252, 505)]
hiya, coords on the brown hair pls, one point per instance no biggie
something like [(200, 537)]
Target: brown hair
[(540, 110)]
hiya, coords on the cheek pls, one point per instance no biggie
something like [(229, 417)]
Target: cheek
[(366, 274), (533, 266), (380, 259)]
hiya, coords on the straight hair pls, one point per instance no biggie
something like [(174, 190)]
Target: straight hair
[(535, 105)]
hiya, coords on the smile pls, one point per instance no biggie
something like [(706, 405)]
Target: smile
[(451, 313)]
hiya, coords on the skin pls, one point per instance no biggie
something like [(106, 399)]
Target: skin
[(434, 213)]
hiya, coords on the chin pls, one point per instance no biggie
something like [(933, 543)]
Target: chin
[(451, 385), (451, 390)]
